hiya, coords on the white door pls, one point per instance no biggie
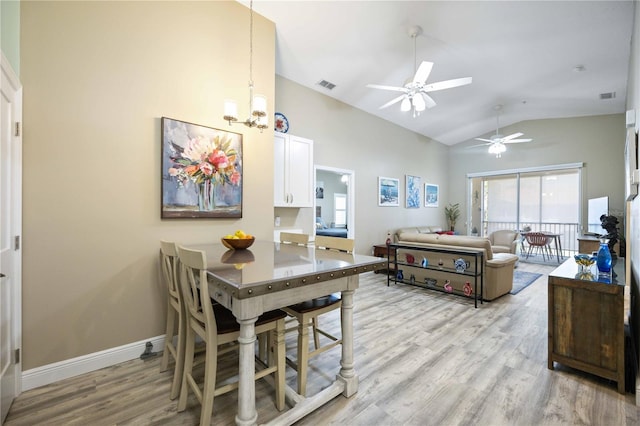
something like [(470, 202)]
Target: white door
[(10, 225)]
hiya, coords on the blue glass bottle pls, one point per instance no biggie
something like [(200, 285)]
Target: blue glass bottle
[(603, 260)]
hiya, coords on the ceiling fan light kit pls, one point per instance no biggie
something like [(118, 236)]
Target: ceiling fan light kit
[(415, 92)]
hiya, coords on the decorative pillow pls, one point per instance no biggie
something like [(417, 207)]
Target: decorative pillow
[(320, 223)]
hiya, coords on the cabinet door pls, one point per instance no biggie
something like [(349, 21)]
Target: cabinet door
[(280, 189), (300, 176)]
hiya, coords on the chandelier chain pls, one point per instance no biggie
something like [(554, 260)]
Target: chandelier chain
[(251, 43)]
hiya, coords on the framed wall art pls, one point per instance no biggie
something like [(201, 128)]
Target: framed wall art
[(388, 189), (431, 195), (201, 171), (413, 189)]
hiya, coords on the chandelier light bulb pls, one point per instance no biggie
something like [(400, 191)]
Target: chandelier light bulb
[(259, 106), (230, 110)]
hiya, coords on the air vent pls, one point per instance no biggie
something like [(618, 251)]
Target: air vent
[(327, 85), (608, 95)]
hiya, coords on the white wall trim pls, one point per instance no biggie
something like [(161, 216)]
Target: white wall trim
[(527, 170), (51, 373)]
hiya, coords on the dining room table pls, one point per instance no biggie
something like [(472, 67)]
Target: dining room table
[(550, 236), (269, 276)]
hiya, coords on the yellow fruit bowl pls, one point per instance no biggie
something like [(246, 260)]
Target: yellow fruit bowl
[(237, 243)]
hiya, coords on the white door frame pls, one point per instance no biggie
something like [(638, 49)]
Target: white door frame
[(351, 204), (12, 88)]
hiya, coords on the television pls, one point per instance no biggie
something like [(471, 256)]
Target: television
[(597, 207)]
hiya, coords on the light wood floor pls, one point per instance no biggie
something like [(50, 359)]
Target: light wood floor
[(423, 358)]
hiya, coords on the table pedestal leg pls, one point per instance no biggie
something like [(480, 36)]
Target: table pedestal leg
[(347, 372), (247, 414)]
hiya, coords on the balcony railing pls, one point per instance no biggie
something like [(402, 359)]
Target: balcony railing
[(569, 232)]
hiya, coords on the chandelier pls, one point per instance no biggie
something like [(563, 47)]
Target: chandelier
[(257, 103)]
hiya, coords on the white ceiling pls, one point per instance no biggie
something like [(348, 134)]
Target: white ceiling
[(520, 54)]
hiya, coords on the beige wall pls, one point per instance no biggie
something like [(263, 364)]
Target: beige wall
[(596, 141), (347, 138), (97, 77)]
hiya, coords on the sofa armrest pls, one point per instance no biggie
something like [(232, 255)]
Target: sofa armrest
[(501, 260)]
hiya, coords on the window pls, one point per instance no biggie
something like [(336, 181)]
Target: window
[(340, 210)]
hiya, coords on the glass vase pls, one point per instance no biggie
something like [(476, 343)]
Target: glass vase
[(206, 196), (603, 260)]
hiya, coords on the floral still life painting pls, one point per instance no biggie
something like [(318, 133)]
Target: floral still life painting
[(201, 171)]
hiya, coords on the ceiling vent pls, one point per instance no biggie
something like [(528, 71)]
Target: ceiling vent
[(327, 85), (608, 95)]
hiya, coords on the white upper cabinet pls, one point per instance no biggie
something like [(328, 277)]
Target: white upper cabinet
[(293, 171)]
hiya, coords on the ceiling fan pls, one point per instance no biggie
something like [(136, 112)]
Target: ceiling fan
[(497, 142), (415, 91)]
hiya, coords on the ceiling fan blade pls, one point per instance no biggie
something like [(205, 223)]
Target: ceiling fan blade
[(393, 101), (423, 71), (428, 100), (512, 136), (484, 140), (393, 88), (518, 141), (447, 84), (481, 144)]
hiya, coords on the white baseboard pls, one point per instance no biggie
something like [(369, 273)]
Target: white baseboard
[(47, 374)]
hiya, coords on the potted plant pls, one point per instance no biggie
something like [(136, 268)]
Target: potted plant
[(452, 213)]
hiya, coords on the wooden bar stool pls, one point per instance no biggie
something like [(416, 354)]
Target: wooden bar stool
[(307, 313), (219, 329)]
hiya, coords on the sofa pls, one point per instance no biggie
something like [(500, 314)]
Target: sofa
[(498, 267)]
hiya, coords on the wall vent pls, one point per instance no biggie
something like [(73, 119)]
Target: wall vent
[(327, 85), (608, 95)]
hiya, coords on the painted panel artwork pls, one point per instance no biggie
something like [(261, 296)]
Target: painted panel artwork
[(201, 171), (388, 191), (430, 195), (413, 192)]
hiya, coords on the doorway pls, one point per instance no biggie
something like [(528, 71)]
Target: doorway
[(334, 206), (10, 230)]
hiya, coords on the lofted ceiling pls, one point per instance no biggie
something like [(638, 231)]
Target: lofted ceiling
[(523, 55)]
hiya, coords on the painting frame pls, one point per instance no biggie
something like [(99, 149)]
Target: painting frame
[(413, 188), (431, 195), (388, 192), (201, 171)]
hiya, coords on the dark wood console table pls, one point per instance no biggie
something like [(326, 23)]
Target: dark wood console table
[(440, 266), (586, 320)]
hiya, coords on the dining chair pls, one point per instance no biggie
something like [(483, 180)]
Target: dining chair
[(307, 313), (539, 241), (175, 316), (219, 330), (294, 238)]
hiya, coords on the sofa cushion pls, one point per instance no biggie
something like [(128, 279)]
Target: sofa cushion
[(416, 230)]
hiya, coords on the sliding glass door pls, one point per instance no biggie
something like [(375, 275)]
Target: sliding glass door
[(538, 200)]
